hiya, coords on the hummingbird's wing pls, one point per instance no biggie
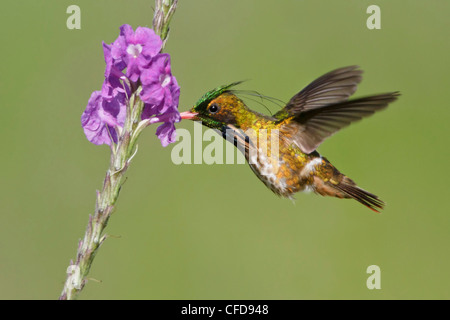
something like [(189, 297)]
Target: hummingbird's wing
[(311, 127), (333, 87)]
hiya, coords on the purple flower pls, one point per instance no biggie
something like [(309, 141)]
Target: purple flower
[(135, 49), (158, 84), (138, 53), (160, 92), (113, 74), (101, 118), (166, 132)]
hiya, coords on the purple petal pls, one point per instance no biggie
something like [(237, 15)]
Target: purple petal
[(96, 131), (149, 111), (102, 116), (113, 112), (166, 133), (126, 31), (118, 49), (151, 41), (107, 53), (114, 87), (133, 70), (152, 94), (156, 81), (134, 50), (91, 108), (156, 68)]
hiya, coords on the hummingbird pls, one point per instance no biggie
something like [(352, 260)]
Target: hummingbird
[(318, 111)]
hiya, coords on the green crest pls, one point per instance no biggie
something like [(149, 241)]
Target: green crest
[(203, 102)]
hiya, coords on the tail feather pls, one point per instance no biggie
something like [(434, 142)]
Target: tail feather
[(349, 188)]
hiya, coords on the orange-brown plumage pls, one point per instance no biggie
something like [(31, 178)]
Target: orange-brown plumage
[(281, 149)]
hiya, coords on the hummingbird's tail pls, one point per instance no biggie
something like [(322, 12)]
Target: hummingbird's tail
[(351, 190), (341, 186)]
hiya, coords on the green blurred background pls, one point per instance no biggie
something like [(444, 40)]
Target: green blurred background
[(215, 231)]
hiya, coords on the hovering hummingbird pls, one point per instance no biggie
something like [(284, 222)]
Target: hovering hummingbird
[(315, 113)]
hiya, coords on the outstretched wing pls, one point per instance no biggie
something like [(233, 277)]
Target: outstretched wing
[(311, 127), (333, 87)]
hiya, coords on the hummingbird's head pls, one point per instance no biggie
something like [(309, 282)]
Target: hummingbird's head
[(217, 108)]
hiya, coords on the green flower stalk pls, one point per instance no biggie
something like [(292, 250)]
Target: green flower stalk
[(164, 10), (146, 93)]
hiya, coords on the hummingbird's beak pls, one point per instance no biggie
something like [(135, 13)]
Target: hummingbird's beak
[(188, 115)]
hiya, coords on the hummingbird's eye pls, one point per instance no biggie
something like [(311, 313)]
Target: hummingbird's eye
[(213, 108)]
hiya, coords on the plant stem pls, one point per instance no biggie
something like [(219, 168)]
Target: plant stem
[(164, 10), (121, 156)]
